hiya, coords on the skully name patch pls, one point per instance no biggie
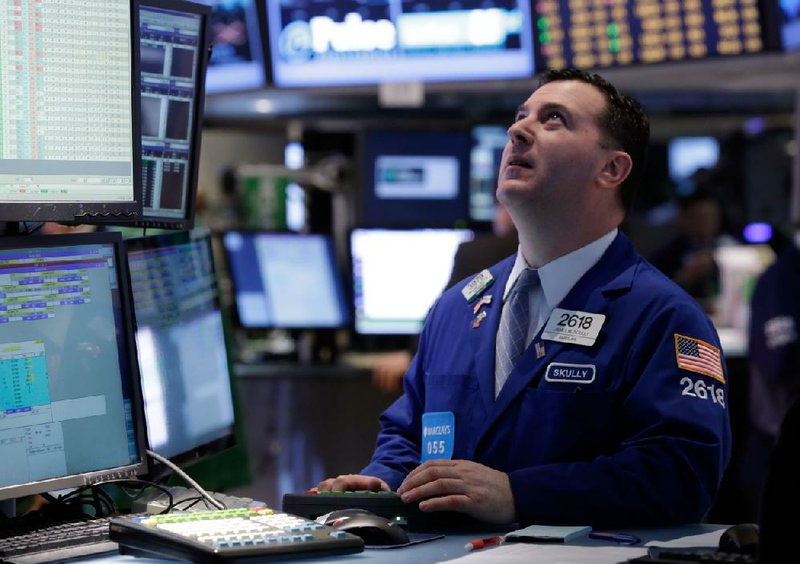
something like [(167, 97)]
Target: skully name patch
[(571, 373)]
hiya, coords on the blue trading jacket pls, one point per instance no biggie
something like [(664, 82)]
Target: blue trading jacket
[(644, 443), (774, 342)]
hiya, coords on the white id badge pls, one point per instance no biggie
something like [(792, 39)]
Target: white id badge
[(575, 327)]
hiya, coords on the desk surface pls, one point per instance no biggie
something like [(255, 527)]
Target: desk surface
[(452, 547)]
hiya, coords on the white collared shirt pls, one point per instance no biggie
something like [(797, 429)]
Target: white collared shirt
[(557, 279)]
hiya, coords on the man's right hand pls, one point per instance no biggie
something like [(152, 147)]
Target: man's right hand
[(352, 482)]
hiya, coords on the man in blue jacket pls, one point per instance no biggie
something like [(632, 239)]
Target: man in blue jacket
[(616, 411), (774, 347)]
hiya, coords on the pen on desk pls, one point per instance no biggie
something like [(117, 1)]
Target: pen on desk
[(478, 544), (620, 538)]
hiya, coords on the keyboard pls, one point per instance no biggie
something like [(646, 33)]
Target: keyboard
[(385, 504), (187, 499), (230, 535), (657, 555), (29, 543)]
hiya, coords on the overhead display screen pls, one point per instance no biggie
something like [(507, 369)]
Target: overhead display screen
[(605, 33), (343, 42)]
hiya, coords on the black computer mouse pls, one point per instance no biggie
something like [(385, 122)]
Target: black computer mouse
[(740, 539), (373, 529)]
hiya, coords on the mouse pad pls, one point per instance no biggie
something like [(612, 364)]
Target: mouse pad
[(413, 538)]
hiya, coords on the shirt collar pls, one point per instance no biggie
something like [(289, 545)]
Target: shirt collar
[(560, 275)]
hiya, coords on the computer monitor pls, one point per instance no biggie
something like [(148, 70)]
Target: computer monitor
[(415, 178), (790, 28), (174, 43), (70, 401), (338, 42), (488, 142), (398, 274), (186, 384), (237, 56), (285, 280), (614, 34), (69, 137), (687, 155)]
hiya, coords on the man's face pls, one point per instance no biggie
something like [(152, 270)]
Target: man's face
[(554, 152)]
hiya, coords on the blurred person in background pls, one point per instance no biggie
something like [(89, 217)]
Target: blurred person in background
[(774, 352)]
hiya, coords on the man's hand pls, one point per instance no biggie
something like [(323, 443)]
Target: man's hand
[(350, 482), (461, 485), (389, 369)]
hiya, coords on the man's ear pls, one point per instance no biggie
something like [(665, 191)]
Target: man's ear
[(616, 169)]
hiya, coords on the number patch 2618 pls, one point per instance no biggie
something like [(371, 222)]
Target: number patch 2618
[(575, 320), (699, 389)]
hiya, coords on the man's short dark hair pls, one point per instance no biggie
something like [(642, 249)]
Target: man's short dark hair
[(624, 124)]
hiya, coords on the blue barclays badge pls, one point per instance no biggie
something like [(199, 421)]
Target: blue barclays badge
[(438, 435), (570, 373)]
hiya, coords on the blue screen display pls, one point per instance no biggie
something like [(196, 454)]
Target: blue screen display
[(340, 42)]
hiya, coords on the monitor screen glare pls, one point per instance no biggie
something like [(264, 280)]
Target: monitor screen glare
[(285, 280), (68, 143), (182, 355), (398, 274), (68, 387)]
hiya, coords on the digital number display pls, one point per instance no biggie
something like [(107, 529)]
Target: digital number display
[(606, 33)]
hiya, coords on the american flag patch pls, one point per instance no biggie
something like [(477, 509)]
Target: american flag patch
[(698, 356)]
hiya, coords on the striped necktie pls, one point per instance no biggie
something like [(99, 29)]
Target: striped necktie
[(514, 322)]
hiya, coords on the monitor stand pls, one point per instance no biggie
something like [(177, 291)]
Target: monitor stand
[(316, 346)]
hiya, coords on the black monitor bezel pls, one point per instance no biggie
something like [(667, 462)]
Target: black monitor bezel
[(339, 281), (108, 213), (187, 221), (216, 446), (128, 471)]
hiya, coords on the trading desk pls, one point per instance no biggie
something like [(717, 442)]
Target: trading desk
[(452, 547)]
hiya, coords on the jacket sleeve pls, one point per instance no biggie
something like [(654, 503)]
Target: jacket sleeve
[(673, 441), (397, 450)]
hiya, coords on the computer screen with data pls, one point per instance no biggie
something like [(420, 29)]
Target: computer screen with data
[(285, 280), (237, 57), (174, 43), (69, 126), (70, 402), (598, 33), (398, 274), (182, 356)]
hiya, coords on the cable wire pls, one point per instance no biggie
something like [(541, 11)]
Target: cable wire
[(216, 503)]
